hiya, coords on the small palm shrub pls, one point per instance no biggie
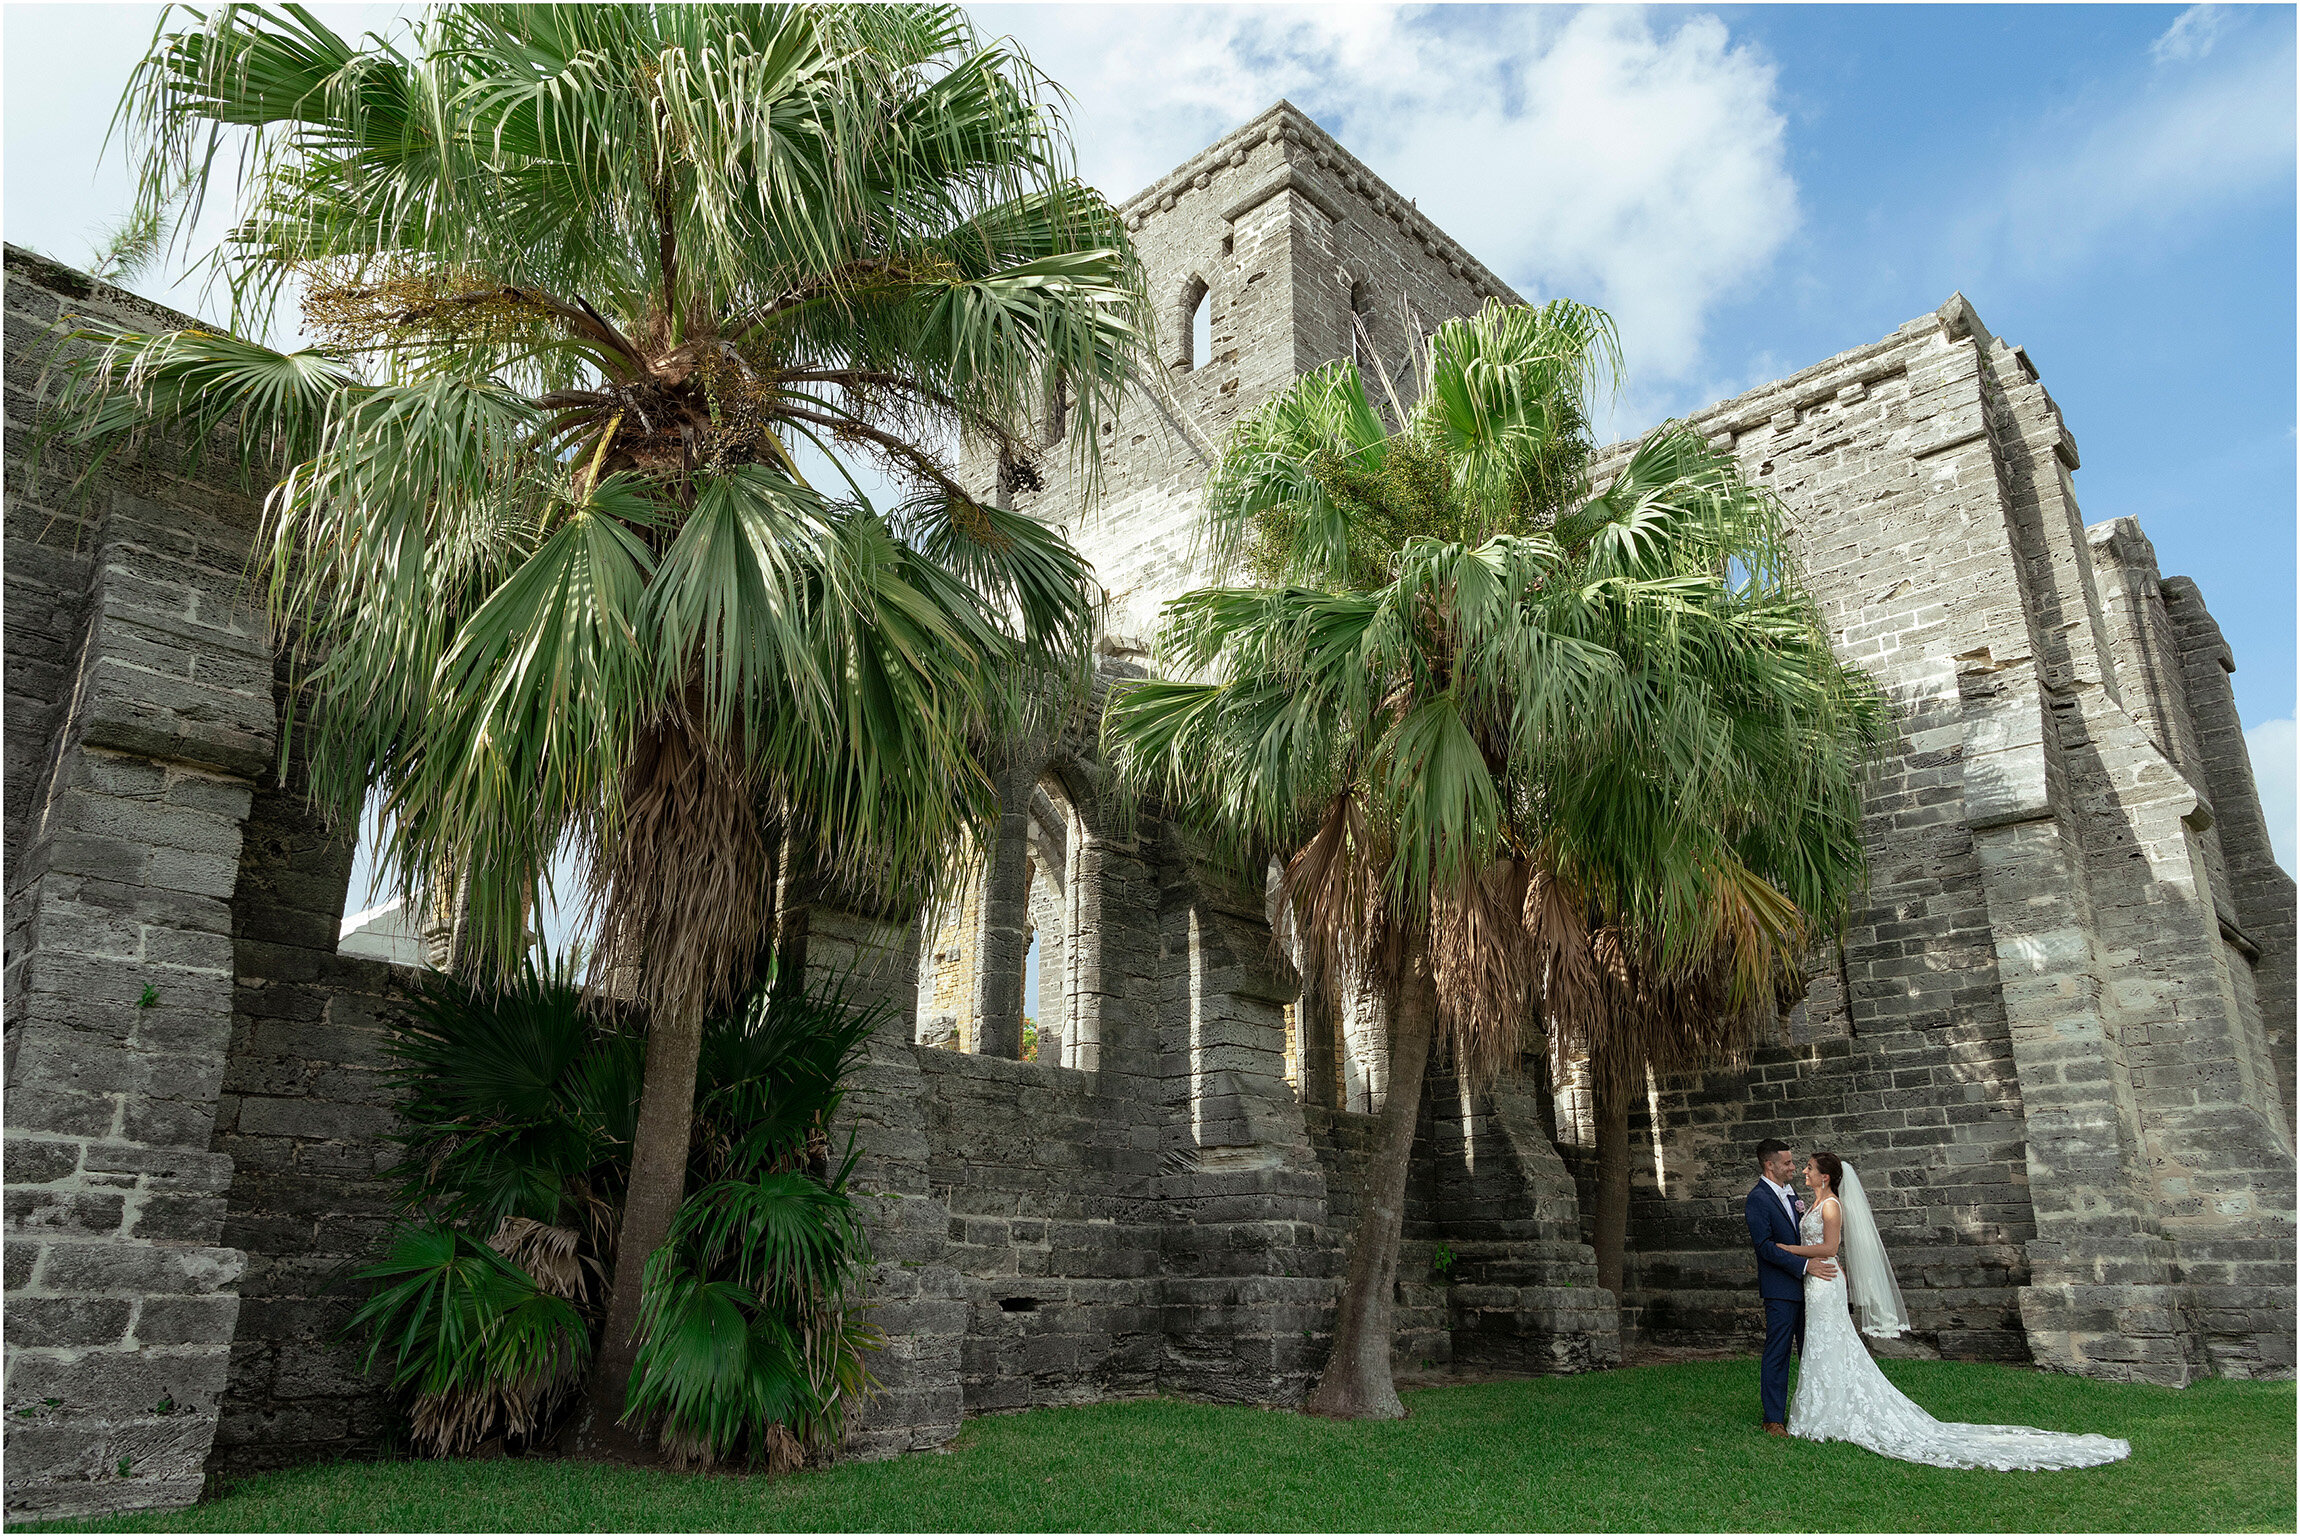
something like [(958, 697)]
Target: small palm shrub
[(518, 1109), (472, 1337), (746, 1341), (516, 1124), (750, 1344)]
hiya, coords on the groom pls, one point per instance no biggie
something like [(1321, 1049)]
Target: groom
[(1773, 1210)]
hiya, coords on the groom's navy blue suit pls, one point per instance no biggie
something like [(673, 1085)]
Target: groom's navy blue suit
[(1781, 1282)]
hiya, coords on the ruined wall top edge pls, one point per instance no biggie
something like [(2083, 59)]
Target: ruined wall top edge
[(1337, 177), (82, 293), (1860, 365)]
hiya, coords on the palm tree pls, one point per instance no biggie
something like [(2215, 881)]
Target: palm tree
[(1519, 746), (617, 304)]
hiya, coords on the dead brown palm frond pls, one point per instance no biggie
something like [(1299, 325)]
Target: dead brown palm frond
[(544, 1251), (780, 1451), (1626, 1007), (690, 1450), (1762, 932), (1574, 990), (1648, 1021), (1485, 967), (1328, 891), (682, 893), (451, 1423)]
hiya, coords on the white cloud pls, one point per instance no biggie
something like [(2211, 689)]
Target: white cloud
[(2184, 144), (1636, 162), (2274, 749), (1639, 158), (64, 67), (2191, 35)]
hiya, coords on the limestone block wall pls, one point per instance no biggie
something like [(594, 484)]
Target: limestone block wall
[(2252, 894), (1054, 1228), (140, 717), (196, 1096), (1931, 1118), (1169, 1215), (2040, 1035), (305, 1116)]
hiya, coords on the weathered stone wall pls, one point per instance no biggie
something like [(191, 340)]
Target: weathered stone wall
[(2052, 1068), (1054, 1230), (1930, 1116), (1168, 1214), (2252, 894), (305, 1116), (196, 1105), (140, 716)]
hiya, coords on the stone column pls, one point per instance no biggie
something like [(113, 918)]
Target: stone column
[(1521, 1293), (1247, 1263), (2262, 891), (1005, 921), (2100, 1299), (1050, 909), (307, 1117), (1321, 1041)]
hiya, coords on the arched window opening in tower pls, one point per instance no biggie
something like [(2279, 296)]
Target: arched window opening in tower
[(1197, 324)]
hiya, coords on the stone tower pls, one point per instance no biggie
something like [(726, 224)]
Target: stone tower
[(1296, 254)]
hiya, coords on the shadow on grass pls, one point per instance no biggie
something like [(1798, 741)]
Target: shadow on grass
[(1652, 1448)]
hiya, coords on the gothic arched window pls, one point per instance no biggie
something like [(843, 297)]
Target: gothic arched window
[(1195, 339)]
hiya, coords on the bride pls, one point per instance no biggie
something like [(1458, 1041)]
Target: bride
[(1841, 1394)]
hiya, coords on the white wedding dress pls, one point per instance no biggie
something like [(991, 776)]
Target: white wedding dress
[(1843, 1396)]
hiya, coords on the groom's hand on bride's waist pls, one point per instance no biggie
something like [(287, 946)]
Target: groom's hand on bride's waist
[(1821, 1270)]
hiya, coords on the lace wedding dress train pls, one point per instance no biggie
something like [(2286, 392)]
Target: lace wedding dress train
[(1843, 1396)]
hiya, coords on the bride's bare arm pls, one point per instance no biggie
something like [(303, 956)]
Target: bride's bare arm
[(1832, 1229)]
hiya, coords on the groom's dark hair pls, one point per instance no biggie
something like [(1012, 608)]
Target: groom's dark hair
[(1768, 1148)]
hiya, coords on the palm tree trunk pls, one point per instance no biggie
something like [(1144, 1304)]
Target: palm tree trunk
[(658, 1185), (1610, 1235), (1356, 1384), (691, 902)]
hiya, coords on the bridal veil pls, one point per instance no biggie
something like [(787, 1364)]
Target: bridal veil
[(1875, 1297)]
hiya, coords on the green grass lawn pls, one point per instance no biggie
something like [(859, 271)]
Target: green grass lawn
[(1669, 1448)]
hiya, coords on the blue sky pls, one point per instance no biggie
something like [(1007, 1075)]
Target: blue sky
[(1748, 188)]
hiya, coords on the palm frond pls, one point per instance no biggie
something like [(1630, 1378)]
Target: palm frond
[(1593, 753), (469, 1336), (198, 390)]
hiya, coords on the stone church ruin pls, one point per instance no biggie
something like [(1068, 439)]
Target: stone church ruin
[(2057, 1037)]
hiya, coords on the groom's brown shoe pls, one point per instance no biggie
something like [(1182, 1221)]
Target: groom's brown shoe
[(1775, 1428)]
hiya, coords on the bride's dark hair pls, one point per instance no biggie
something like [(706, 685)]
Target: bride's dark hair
[(1834, 1167)]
